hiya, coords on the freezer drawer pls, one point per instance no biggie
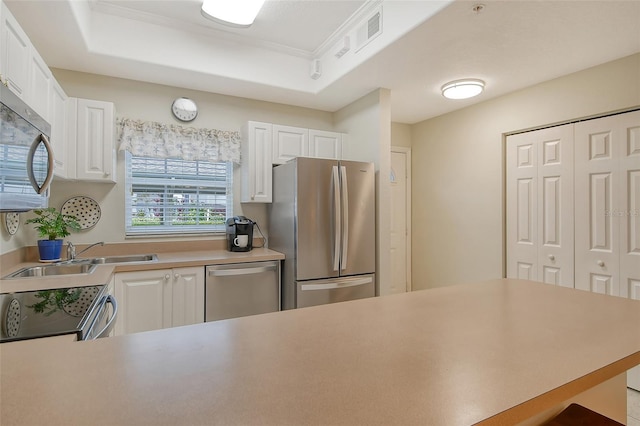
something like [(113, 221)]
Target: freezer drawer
[(242, 289), (320, 292)]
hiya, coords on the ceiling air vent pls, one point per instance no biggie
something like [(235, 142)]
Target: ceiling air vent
[(369, 29)]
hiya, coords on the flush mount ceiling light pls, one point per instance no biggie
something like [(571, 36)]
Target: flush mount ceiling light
[(232, 12), (463, 89)]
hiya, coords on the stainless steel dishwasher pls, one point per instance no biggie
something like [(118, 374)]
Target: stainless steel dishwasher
[(241, 289)]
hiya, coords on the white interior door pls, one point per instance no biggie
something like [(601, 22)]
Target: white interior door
[(629, 214), (400, 222), (629, 219), (555, 205), (522, 206), (598, 144)]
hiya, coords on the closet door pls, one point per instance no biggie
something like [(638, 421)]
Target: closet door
[(555, 205), (598, 147), (522, 206), (629, 215), (540, 206)]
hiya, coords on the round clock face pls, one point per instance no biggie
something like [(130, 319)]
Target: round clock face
[(184, 109)]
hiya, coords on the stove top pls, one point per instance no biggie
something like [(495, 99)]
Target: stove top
[(33, 314)]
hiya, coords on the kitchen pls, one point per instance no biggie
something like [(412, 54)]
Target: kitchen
[(443, 241)]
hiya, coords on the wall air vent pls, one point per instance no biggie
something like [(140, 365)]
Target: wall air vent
[(369, 29)]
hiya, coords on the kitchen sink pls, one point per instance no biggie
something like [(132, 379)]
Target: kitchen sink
[(123, 259), (53, 270)]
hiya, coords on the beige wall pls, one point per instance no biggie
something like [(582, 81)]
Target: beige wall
[(458, 168), (368, 123), (401, 135)]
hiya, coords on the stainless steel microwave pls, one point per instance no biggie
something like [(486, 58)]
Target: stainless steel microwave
[(26, 156)]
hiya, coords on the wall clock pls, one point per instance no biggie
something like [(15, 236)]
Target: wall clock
[(184, 109)]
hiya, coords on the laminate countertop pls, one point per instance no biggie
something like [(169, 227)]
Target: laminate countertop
[(102, 274), (496, 352)]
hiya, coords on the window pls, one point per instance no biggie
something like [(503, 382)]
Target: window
[(167, 195)]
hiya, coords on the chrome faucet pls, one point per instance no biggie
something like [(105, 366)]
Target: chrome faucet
[(71, 249)]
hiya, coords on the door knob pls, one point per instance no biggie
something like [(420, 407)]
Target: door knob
[(552, 257), (600, 263)]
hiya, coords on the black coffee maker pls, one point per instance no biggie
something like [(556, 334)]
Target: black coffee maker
[(239, 233)]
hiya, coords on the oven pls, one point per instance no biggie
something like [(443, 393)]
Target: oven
[(26, 156), (88, 312)]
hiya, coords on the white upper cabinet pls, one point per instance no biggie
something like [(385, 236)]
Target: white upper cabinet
[(15, 52), (91, 148), (256, 163), (289, 142), (39, 90), (323, 144), (266, 144), (22, 68), (59, 135)]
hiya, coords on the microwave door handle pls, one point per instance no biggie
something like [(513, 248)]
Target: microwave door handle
[(107, 328), (345, 215), (30, 157), (337, 225)]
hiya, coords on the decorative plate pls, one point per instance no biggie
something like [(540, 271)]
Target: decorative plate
[(12, 222), (12, 319), (85, 209), (80, 306)]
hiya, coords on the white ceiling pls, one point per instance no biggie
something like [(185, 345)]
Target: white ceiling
[(510, 44)]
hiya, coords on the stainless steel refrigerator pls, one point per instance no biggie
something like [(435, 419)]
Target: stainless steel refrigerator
[(323, 219)]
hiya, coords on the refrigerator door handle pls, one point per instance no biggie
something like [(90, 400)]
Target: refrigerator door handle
[(334, 285), (336, 212), (345, 213)]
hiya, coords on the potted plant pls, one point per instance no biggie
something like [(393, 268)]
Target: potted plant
[(52, 226)]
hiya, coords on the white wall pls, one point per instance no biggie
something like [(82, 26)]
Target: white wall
[(368, 123), (458, 193)]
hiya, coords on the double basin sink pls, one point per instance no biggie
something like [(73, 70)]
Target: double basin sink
[(78, 266)]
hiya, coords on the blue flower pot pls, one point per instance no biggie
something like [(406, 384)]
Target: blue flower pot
[(50, 249)]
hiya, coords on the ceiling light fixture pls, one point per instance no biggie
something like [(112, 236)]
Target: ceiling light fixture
[(463, 89), (232, 12)]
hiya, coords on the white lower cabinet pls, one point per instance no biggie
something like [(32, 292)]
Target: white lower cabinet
[(156, 299)]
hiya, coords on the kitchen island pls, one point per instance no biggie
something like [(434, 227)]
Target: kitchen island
[(497, 352)]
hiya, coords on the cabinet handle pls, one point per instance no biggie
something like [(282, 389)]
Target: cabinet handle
[(166, 277), (176, 276), (552, 257), (600, 263)]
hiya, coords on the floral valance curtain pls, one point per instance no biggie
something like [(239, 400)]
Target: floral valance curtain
[(152, 139)]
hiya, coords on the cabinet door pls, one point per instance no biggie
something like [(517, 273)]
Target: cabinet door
[(325, 144), (598, 147), (39, 90), (95, 154), (59, 138), (256, 163), (144, 301), (289, 142), (15, 49), (187, 296)]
